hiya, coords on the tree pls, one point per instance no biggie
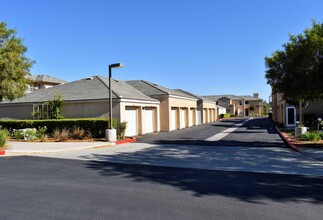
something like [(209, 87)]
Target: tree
[(296, 71), (266, 108), (55, 107), (14, 66)]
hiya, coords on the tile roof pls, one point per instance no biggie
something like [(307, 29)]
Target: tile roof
[(230, 96), (45, 78), (217, 97), (91, 88), (250, 98)]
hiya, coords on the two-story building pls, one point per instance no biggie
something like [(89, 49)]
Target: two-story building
[(39, 82)]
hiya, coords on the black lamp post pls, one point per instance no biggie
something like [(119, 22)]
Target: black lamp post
[(114, 65)]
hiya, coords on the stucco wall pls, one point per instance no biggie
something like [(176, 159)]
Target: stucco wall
[(185, 105), (85, 109), (211, 111), (278, 108), (90, 109), (16, 111), (167, 103)]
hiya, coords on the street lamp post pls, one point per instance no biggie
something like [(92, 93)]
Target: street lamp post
[(111, 133)]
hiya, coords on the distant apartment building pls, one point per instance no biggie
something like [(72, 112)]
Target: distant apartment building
[(243, 105), (42, 82)]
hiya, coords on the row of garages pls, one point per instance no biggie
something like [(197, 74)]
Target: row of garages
[(143, 120), (146, 107), (176, 110)]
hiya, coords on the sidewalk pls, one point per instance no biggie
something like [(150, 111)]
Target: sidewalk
[(50, 147)]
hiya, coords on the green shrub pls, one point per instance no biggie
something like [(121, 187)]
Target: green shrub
[(228, 115), (41, 133), (122, 129), (4, 133), (96, 126), (18, 134), (321, 135), (30, 134), (310, 136)]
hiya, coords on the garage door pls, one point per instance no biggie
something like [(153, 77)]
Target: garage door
[(198, 117), (173, 119), (132, 119), (149, 120), (183, 118), (191, 118)]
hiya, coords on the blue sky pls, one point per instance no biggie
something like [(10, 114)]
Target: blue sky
[(203, 46)]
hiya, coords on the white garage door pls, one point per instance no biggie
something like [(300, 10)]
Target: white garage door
[(173, 119), (132, 119), (198, 117), (182, 118), (149, 120), (191, 118)]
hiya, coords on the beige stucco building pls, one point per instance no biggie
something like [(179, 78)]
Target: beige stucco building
[(177, 109), (88, 98), (206, 108), (39, 82), (286, 114), (239, 105)]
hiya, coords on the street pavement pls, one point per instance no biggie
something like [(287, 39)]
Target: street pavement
[(231, 169), (254, 146), (49, 188)]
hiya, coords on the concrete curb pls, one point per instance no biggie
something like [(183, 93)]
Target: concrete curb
[(291, 144), (131, 140), (288, 141)]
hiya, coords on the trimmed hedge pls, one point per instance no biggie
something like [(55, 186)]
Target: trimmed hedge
[(96, 126), (225, 115)]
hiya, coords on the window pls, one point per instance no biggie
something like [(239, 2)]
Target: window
[(247, 102), (31, 88)]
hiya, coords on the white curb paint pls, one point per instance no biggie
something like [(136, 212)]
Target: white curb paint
[(226, 132)]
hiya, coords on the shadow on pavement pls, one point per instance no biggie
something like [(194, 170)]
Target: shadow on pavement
[(253, 188)]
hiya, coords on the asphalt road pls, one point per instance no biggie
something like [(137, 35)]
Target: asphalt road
[(45, 188), (183, 174), (257, 132)]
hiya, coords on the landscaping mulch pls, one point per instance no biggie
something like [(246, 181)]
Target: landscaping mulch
[(300, 143)]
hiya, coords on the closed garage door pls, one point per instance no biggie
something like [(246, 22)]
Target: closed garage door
[(132, 119), (191, 118), (173, 119), (149, 120), (183, 118), (198, 117)]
